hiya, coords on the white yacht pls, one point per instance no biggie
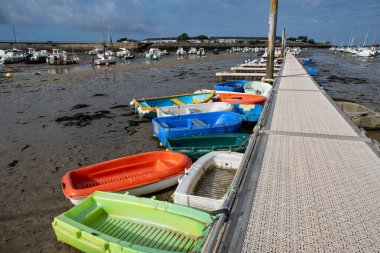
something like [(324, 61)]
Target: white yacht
[(201, 52), (61, 57), (181, 51), (153, 54), (193, 50), (13, 56), (96, 51)]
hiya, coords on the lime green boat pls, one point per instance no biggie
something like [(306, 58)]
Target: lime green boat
[(197, 146), (111, 222)]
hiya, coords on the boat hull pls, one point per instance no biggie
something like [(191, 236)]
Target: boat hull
[(210, 195), (248, 112), (143, 173), (147, 107), (234, 86), (196, 108), (240, 98), (258, 88), (197, 146), (196, 124), (109, 222)]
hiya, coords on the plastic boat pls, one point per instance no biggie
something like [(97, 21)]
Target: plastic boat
[(240, 98), (197, 146), (206, 184), (258, 88), (234, 86), (360, 115), (196, 124), (248, 112), (138, 174), (196, 108), (147, 107), (312, 72), (109, 222)]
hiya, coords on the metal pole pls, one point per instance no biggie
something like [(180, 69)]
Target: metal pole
[(271, 38), (283, 43)]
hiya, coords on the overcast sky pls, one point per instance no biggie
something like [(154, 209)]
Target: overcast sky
[(78, 20)]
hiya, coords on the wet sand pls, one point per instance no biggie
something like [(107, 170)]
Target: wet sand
[(52, 124)]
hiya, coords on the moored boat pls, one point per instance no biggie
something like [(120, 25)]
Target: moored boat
[(234, 86), (312, 72), (206, 184), (195, 108), (147, 107), (138, 174), (239, 98), (248, 112), (196, 124), (258, 88), (197, 146), (110, 222)]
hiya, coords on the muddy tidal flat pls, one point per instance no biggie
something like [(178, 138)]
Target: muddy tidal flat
[(54, 123), (56, 119)]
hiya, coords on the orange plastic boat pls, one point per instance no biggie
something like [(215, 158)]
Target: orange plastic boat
[(240, 98), (138, 174)]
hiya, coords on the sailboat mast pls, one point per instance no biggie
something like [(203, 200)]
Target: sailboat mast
[(14, 36), (365, 40)]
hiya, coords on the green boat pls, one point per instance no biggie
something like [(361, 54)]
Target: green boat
[(197, 146), (111, 222)]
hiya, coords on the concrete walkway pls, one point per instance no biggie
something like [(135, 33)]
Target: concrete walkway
[(313, 180)]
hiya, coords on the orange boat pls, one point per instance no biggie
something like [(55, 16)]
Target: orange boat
[(240, 98), (138, 174)]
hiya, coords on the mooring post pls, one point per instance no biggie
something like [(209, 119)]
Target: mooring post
[(271, 38), (283, 43)]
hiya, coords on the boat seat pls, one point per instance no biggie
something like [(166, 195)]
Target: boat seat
[(193, 110), (177, 101), (198, 122)]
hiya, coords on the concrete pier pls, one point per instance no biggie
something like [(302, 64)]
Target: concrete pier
[(312, 180)]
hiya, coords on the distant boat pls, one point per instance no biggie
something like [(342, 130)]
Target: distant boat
[(181, 51), (199, 145), (153, 54), (234, 86), (196, 124), (13, 56), (215, 51), (110, 222), (201, 52), (258, 88), (146, 107), (194, 108), (138, 174), (105, 59), (193, 50), (206, 184), (59, 57), (96, 51)]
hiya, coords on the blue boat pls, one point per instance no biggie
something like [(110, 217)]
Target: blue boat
[(196, 124), (312, 72), (147, 107), (307, 62), (248, 112), (234, 86)]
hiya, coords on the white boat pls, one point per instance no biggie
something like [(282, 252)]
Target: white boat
[(206, 184), (105, 59), (258, 88), (360, 115), (153, 54), (96, 51), (194, 108), (201, 52), (181, 51), (2, 56), (13, 56), (60, 57), (193, 50)]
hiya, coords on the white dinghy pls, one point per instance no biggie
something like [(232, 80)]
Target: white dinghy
[(193, 108), (206, 184)]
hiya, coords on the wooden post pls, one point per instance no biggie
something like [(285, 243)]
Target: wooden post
[(283, 43), (271, 38)]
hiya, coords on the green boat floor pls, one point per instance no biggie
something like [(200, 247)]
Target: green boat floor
[(215, 182), (144, 235)]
